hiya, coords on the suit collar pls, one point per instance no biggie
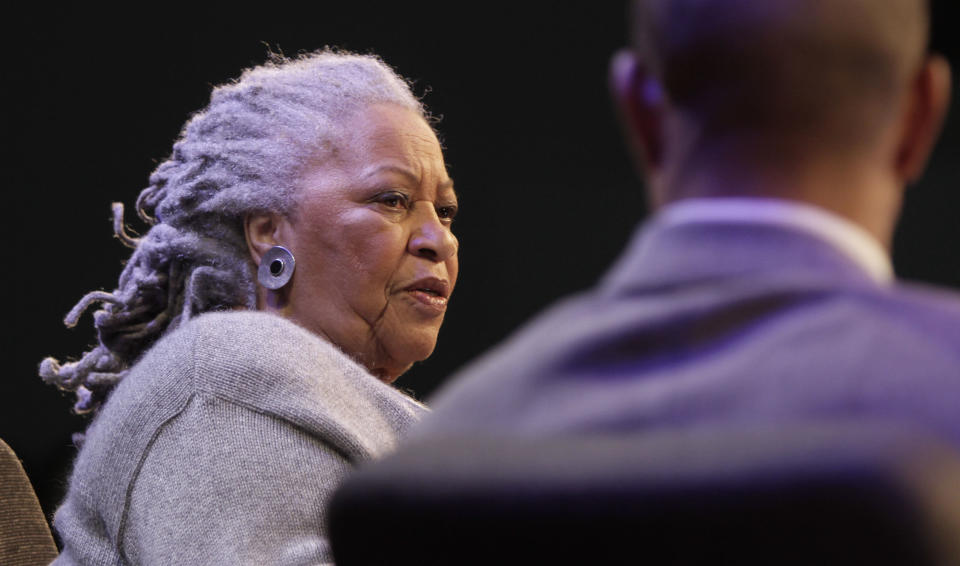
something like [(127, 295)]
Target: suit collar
[(842, 234), (670, 254)]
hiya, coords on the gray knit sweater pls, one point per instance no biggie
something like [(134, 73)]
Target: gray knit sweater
[(222, 445)]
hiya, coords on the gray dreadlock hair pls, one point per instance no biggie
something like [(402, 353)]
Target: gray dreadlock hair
[(239, 155)]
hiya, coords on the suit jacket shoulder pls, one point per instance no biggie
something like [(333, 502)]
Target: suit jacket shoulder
[(719, 323)]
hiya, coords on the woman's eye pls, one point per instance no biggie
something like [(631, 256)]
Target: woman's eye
[(393, 200), (447, 212)]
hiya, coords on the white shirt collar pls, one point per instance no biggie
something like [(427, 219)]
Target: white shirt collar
[(843, 235)]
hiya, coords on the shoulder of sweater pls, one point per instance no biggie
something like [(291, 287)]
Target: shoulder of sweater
[(254, 362), (270, 365), (254, 342), (245, 344)]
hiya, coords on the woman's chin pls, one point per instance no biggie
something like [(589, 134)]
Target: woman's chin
[(407, 354), (389, 373)]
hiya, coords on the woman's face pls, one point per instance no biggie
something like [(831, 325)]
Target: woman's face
[(376, 259)]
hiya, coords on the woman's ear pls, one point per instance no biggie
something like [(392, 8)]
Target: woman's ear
[(262, 231)]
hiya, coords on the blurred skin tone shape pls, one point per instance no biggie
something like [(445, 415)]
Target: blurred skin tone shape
[(376, 260), (774, 135)]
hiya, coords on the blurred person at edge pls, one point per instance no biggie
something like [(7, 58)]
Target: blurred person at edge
[(776, 139)]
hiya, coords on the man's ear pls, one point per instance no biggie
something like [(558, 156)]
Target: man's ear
[(925, 111), (262, 231), (639, 98)]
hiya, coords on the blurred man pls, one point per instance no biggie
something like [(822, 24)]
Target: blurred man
[(777, 138)]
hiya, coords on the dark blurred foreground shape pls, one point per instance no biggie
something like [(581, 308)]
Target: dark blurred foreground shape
[(25, 537), (819, 493)]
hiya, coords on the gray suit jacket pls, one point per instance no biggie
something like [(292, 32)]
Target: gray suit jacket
[(719, 322)]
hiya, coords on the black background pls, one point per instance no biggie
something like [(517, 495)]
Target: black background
[(548, 193)]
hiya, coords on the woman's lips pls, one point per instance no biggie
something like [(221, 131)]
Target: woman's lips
[(429, 300), (430, 293)]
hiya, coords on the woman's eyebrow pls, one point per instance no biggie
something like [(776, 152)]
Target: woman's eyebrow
[(391, 168), (406, 172)]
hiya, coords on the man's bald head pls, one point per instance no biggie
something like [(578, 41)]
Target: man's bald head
[(824, 72)]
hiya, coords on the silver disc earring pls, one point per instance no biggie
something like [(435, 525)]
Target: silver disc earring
[(276, 268)]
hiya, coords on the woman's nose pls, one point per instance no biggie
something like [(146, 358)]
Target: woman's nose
[(430, 238)]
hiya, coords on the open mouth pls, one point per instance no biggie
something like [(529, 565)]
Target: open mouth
[(430, 292), (431, 286)]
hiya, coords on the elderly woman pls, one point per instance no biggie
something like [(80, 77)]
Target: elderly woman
[(307, 211)]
